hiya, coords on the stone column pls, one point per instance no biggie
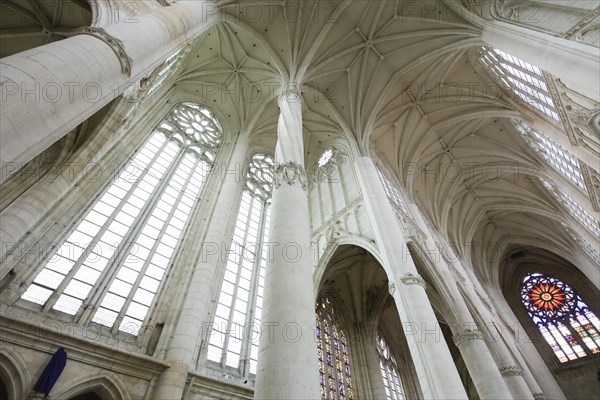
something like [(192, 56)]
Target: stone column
[(287, 355), (435, 369), (49, 90), (576, 64), (188, 333)]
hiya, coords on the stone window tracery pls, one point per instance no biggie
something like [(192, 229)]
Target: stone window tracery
[(233, 341), (525, 80), (113, 263), (389, 370), (565, 321), (559, 158), (333, 356)]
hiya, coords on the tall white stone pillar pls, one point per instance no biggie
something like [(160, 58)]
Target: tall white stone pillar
[(189, 330), (287, 356), (576, 64), (49, 90), (435, 369)]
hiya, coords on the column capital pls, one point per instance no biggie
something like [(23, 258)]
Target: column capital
[(290, 92), (392, 288), (412, 279), (510, 370), (467, 335), (115, 44), (290, 173)]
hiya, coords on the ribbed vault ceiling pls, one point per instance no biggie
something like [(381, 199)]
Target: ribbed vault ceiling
[(397, 82)]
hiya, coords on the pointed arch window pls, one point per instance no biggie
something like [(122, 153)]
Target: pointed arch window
[(389, 370), (333, 354), (114, 261), (565, 321), (233, 341), (525, 80)]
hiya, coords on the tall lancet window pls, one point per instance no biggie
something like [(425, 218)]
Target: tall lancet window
[(389, 371), (333, 354), (525, 80), (111, 266), (563, 318), (233, 341)]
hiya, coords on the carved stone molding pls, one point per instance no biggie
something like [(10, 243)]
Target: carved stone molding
[(164, 3), (411, 279), (539, 396), (560, 109), (392, 288), (510, 370), (115, 44), (467, 335), (290, 173), (592, 182), (291, 93)]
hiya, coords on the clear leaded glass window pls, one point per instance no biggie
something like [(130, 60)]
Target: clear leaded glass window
[(391, 190), (389, 371), (115, 259), (325, 157), (525, 80), (165, 69), (333, 355), (563, 318), (234, 339), (580, 213), (560, 159)]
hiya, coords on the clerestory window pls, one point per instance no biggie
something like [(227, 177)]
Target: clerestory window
[(114, 262), (233, 341)]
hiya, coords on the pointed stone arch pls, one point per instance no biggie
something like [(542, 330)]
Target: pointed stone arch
[(13, 373), (106, 385)]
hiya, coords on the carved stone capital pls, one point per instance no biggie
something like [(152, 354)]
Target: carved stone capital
[(510, 370), (539, 396), (115, 44), (467, 335), (392, 288), (290, 173), (411, 279), (290, 92)]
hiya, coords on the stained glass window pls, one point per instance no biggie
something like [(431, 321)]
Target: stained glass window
[(525, 80), (389, 371), (332, 353), (565, 321), (233, 341), (114, 261)]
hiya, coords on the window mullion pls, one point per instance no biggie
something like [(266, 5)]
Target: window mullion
[(147, 216), (123, 250), (250, 309), (89, 249), (236, 286)]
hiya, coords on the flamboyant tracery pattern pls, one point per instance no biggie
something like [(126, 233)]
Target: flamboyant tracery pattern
[(333, 355), (389, 370), (115, 259), (525, 80), (233, 341), (565, 321), (560, 159)]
